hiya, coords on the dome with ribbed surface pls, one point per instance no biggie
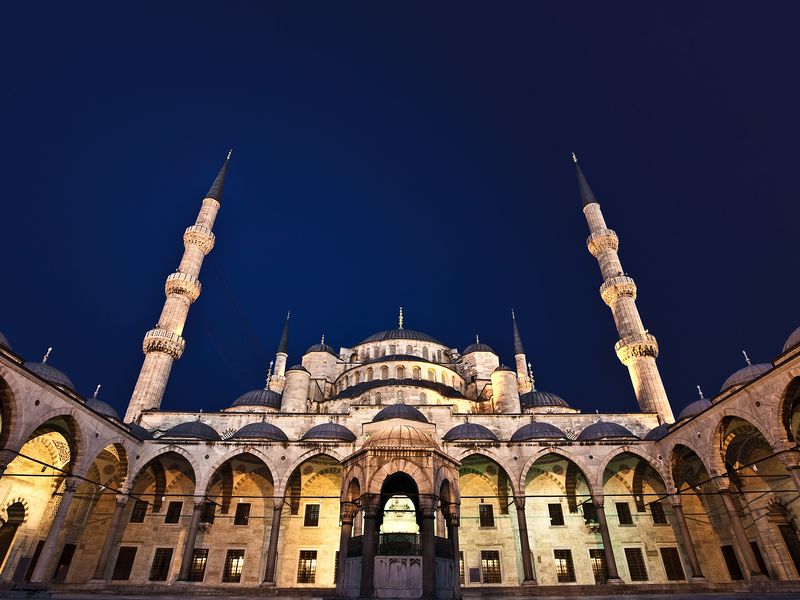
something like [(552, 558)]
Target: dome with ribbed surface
[(603, 430), (4, 341), (537, 431), (262, 397), (322, 348), (399, 334), (400, 411), (193, 429), (401, 436), (139, 432), (104, 408), (477, 347), (330, 431), (695, 408), (264, 431), (469, 431), (537, 398), (793, 340), (657, 433), (745, 375), (48, 373)]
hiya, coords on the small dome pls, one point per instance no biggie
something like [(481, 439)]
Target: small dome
[(322, 348), (537, 398), (469, 431), (657, 433), (48, 373), (793, 340), (400, 411), (4, 341), (477, 347), (536, 431), (193, 429), (504, 368), (401, 436), (264, 431), (266, 398), (104, 408), (695, 408), (297, 368), (603, 430), (139, 432), (329, 431), (745, 375), (400, 334)]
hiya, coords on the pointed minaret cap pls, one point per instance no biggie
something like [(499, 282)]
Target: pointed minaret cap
[(587, 196), (219, 183), (518, 347), (283, 345)]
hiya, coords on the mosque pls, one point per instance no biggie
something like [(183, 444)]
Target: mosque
[(400, 467)]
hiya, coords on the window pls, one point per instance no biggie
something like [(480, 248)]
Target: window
[(729, 554), (242, 516), (173, 512), (336, 568), (425, 352), (160, 568), (416, 373), (672, 564), (357, 377), (369, 374), (486, 515), (624, 513), (759, 559), (384, 373), (490, 566), (565, 570), (409, 350), (139, 511), (589, 512), (392, 349), (657, 511), (461, 567), (431, 375), (597, 557), (197, 570), (307, 566), (444, 378), (234, 563), (636, 566), (209, 510), (312, 515), (124, 564), (556, 514), (401, 372)]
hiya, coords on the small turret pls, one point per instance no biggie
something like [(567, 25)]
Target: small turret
[(283, 351), (295, 390), (505, 391)]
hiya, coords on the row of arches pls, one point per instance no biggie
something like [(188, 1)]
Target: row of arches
[(401, 371), (375, 352)]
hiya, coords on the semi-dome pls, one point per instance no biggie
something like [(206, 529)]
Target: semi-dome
[(48, 373), (330, 431), (264, 431), (193, 429), (537, 431), (695, 408), (322, 347), (604, 430), (656, 433), (4, 341), (745, 375), (263, 397), (469, 431), (401, 436), (400, 334), (104, 408), (400, 411), (477, 347), (297, 368), (793, 340), (139, 432), (541, 398)]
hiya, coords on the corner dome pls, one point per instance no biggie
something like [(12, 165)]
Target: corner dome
[(297, 368), (139, 432), (658, 432), (48, 373), (401, 436), (329, 431), (104, 408), (537, 431), (793, 340), (400, 334), (469, 431), (193, 429), (745, 375), (399, 411), (264, 431), (537, 398), (264, 397), (477, 347), (4, 341), (603, 430), (695, 408), (322, 348)]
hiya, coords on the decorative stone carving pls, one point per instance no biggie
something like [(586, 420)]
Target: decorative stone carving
[(602, 239), (184, 284), (636, 346), (161, 340), (615, 288), (200, 236)]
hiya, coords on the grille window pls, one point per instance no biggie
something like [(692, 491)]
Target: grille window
[(657, 510), (198, 568), (312, 515), (486, 514), (636, 566), (139, 511), (160, 569), (624, 513), (242, 516), (672, 564), (565, 569), (490, 565), (173, 512), (234, 563), (209, 511), (556, 514), (461, 567), (124, 564), (598, 559), (307, 566)]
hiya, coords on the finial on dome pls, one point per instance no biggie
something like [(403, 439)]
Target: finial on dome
[(574, 158), (400, 319), (322, 341), (96, 391), (47, 355), (230, 151), (288, 314), (477, 339), (269, 375), (530, 376), (699, 391), (746, 358)]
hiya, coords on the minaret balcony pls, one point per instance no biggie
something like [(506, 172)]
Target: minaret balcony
[(602, 239), (161, 340), (184, 284), (200, 236), (636, 346), (615, 288)]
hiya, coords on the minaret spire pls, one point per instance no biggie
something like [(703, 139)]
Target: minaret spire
[(637, 349), (164, 344), (523, 380)]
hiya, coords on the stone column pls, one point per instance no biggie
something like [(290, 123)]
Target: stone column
[(740, 534), (611, 563), (791, 460), (274, 534), (685, 536), (369, 505), (348, 512), (357, 525), (6, 456), (101, 571), (188, 544), (453, 521), (43, 571), (428, 547), (524, 542)]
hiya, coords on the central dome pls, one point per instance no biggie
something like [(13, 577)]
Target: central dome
[(400, 334), (401, 436)]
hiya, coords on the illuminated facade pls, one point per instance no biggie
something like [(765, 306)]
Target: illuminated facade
[(400, 467)]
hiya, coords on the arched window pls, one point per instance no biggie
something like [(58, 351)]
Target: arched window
[(363, 355), (401, 372), (444, 378), (409, 350), (425, 352), (416, 373), (357, 377), (431, 375), (347, 381), (392, 349), (353, 357), (376, 352), (384, 372), (438, 356), (369, 374)]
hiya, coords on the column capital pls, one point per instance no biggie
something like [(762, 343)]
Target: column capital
[(519, 501), (348, 512), (71, 484), (369, 504), (790, 459), (198, 504), (120, 500)]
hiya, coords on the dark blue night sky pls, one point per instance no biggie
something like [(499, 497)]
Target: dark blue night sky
[(391, 154)]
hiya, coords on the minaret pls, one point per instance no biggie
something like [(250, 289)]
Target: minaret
[(282, 354), (519, 358), (164, 344), (636, 348)]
